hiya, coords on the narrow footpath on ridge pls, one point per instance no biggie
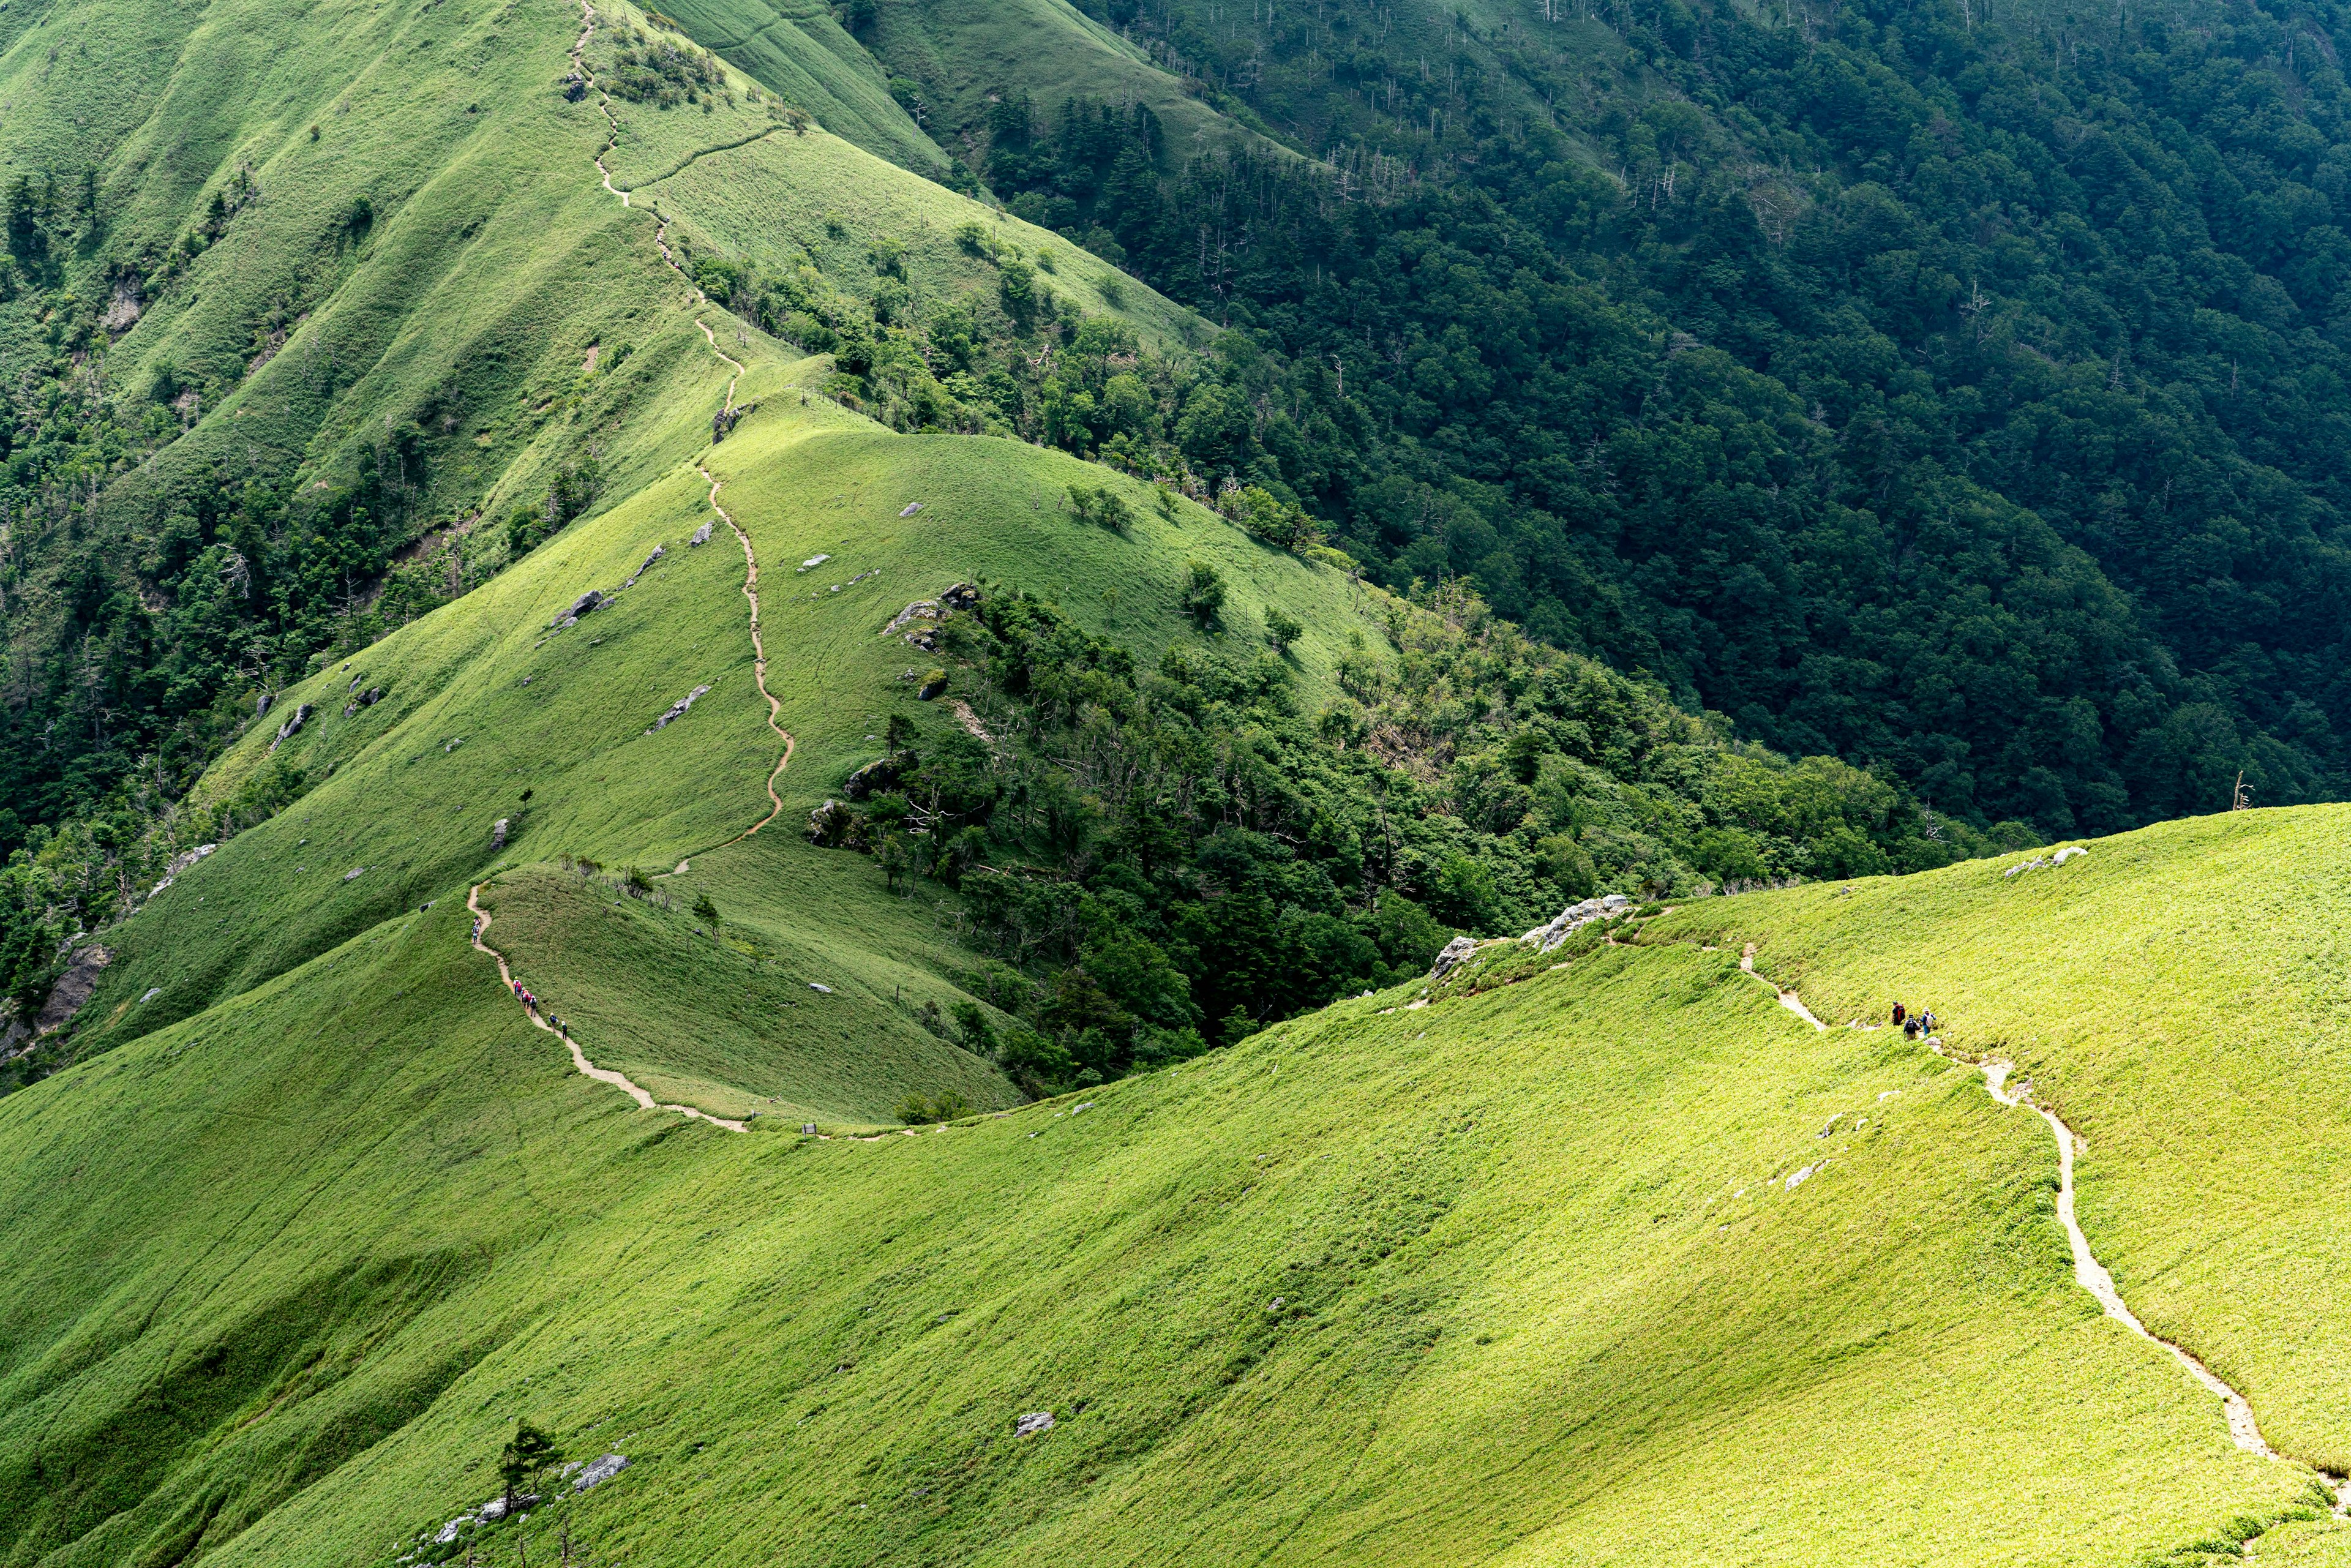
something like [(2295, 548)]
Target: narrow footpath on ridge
[(2088, 1272), (600, 1074), (750, 592)]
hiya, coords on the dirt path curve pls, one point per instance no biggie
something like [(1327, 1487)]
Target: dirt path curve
[(1788, 1000), (2088, 1272), (758, 661), (600, 1074)]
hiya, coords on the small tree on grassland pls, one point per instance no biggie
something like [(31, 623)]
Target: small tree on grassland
[(1203, 592), (524, 1459)]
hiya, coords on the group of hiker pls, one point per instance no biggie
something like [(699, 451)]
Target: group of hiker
[(1913, 1025), (523, 995), (530, 1002)]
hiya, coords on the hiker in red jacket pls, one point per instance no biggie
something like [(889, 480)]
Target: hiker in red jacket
[(1898, 1015)]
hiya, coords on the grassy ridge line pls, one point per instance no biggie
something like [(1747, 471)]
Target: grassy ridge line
[(1548, 1224), (2177, 996), (801, 52), (580, 1062), (962, 51)]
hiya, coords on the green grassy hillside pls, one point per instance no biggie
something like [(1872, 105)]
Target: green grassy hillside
[(1596, 1257), (1517, 1276)]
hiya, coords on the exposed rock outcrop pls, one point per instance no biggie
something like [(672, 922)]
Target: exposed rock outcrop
[(73, 988), (1575, 915), (676, 710), (599, 1471), (301, 715), (828, 824), (879, 774), (1451, 958)]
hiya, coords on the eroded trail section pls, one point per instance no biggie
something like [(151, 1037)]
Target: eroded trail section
[(1788, 1000), (2091, 1275), (2088, 1272), (758, 659), (600, 1074)]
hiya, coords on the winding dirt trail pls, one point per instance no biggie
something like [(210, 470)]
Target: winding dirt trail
[(578, 1060), (758, 661), (750, 590), (2088, 1272)]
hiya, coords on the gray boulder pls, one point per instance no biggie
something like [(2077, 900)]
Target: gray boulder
[(1451, 958), (599, 1471), (962, 596), (1030, 1424), (676, 710), (301, 714), (498, 834), (580, 606), (701, 536)]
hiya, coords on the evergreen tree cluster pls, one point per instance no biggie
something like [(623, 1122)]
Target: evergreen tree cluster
[(1159, 858), (1962, 394)]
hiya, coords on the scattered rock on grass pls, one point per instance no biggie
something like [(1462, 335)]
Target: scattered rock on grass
[(701, 536), (1455, 951), (600, 1471), (658, 553), (677, 709), (498, 834), (1030, 1424), (580, 606), (912, 507)]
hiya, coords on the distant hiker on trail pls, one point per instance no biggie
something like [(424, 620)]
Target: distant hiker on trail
[(1898, 1015), (1926, 1021), (1910, 1029)]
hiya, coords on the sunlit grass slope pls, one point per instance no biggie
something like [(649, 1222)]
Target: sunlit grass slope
[(2181, 995), (1516, 1277), (488, 715)]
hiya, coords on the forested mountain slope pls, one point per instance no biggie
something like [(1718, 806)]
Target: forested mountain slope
[(675, 787), (1951, 387)]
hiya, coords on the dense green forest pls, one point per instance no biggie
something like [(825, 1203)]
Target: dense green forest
[(1161, 858), (1959, 396), (1964, 396)]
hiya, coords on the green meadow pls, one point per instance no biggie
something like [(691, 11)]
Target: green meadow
[(1600, 1256), (1514, 1276)]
